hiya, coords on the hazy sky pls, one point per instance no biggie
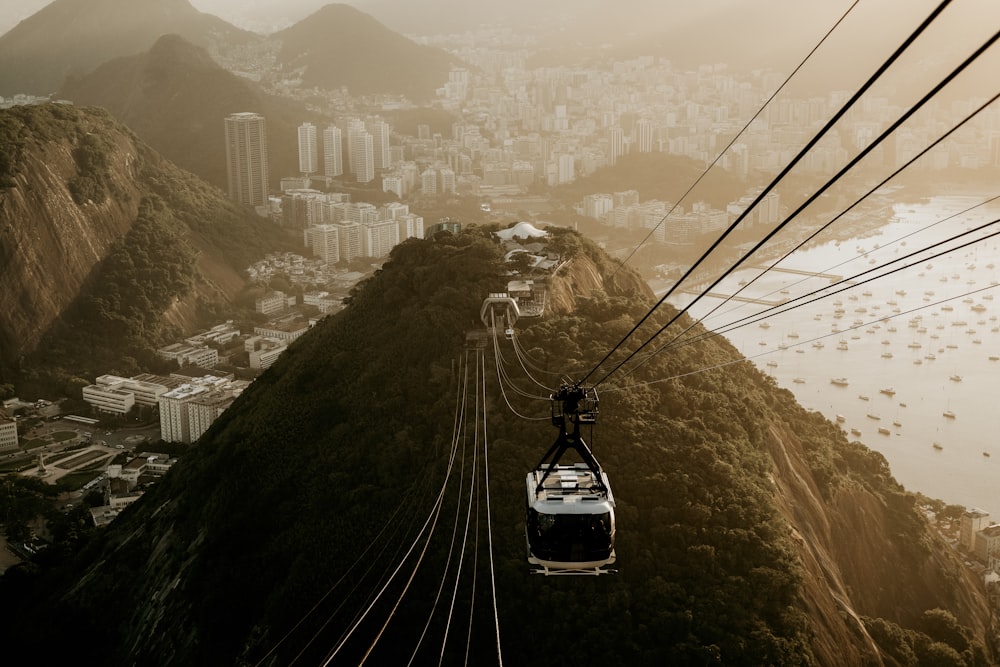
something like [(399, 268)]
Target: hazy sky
[(755, 33)]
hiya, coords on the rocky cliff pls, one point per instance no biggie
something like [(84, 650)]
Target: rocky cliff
[(71, 189)]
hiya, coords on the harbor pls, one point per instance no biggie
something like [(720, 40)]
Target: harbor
[(908, 364)]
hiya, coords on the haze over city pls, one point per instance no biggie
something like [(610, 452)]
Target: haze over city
[(403, 332)]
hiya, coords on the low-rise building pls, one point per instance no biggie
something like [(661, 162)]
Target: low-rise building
[(286, 331), (108, 399), (8, 433), (273, 302), (194, 355), (265, 353), (988, 543)]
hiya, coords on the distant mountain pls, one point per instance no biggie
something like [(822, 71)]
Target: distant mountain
[(75, 36), (175, 97), (104, 244), (341, 46)]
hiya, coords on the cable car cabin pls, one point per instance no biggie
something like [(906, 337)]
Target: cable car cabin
[(570, 523)]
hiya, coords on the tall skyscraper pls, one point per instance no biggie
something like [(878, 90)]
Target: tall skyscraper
[(333, 151), (362, 155), (616, 140), (380, 143), (644, 135), (308, 149), (246, 158)]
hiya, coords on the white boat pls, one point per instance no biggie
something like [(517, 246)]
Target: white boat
[(888, 391), (840, 382), (948, 414), (883, 430), (955, 378)]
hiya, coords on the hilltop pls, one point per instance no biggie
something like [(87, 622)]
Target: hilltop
[(750, 530), (74, 36), (105, 244), (175, 97), (341, 46)]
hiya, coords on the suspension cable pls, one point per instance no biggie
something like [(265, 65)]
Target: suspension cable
[(850, 165), (489, 528), (735, 137), (784, 172), (816, 232), (849, 283), (480, 378), (743, 359), (432, 516)]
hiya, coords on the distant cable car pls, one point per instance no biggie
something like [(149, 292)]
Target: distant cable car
[(570, 516)]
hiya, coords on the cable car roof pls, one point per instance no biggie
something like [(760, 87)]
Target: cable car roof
[(570, 489)]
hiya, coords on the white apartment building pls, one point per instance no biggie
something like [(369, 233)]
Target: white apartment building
[(324, 301), (266, 353), (174, 424), (308, 149), (272, 303), (204, 410), (379, 238), (195, 355), (333, 151), (189, 410), (410, 226), (285, 333), (394, 184), (108, 399), (324, 241), (141, 387), (8, 434)]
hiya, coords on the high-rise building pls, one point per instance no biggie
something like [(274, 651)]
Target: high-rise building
[(644, 135), (379, 130), (308, 149), (616, 139), (378, 238), (333, 151), (325, 242), (350, 240), (362, 156), (246, 158)]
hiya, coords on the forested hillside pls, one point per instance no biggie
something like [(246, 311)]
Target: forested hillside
[(274, 535), (106, 245)]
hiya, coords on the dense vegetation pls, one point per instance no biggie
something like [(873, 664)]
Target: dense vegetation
[(321, 475), (119, 317), (337, 33), (115, 321)]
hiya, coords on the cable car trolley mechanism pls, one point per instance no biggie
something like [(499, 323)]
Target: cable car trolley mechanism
[(570, 516)]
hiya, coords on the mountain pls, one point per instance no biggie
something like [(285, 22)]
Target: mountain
[(105, 244), (324, 510), (341, 46), (75, 36), (175, 97)]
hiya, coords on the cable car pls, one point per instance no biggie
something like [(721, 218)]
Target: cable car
[(570, 515)]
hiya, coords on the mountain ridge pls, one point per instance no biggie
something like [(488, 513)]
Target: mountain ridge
[(742, 518), (69, 199), (74, 36)]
